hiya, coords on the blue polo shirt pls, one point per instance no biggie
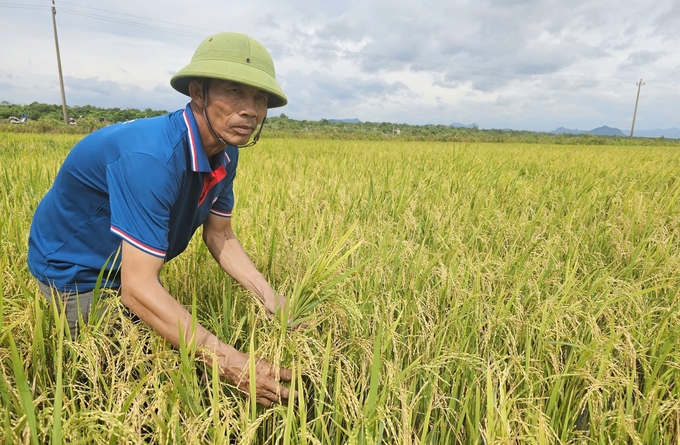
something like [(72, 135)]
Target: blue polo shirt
[(148, 182)]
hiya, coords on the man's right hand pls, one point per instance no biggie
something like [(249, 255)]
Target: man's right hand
[(235, 367)]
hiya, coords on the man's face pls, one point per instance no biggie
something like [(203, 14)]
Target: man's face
[(235, 110)]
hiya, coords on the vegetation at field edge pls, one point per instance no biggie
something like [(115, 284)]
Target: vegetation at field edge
[(45, 118)]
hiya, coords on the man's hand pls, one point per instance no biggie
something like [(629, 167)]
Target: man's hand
[(268, 390), (274, 303)]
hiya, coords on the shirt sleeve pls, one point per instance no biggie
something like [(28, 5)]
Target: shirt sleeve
[(141, 194), (224, 204)]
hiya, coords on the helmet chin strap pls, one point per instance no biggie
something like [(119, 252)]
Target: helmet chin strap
[(205, 113), (222, 141), (257, 135)]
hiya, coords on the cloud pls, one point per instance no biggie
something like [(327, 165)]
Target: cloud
[(640, 58), (498, 40), (106, 93), (333, 96), (666, 23)]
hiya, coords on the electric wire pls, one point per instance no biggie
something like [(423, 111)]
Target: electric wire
[(22, 6), (133, 16), (128, 22)]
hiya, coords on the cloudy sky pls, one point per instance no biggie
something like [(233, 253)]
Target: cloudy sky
[(521, 64)]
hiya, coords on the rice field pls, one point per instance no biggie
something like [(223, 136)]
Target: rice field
[(455, 293)]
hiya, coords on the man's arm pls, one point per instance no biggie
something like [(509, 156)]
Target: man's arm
[(227, 251), (143, 294)]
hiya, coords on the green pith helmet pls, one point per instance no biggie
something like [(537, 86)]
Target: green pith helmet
[(236, 57)]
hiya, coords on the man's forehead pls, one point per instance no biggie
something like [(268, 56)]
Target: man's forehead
[(230, 83)]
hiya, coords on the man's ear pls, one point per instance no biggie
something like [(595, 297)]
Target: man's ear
[(196, 91)]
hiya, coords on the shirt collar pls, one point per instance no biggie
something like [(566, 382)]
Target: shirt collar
[(199, 160)]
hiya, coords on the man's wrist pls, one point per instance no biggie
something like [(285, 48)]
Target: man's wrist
[(264, 291), (212, 348)]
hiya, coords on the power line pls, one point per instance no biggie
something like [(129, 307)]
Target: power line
[(133, 16), (128, 22), (22, 6), (664, 85)]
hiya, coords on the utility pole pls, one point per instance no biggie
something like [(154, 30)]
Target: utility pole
[(61, 78), (639, 85)]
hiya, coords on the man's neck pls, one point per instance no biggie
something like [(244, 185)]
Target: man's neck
[(211, 145)]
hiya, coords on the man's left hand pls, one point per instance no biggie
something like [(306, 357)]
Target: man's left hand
[(274, 303)]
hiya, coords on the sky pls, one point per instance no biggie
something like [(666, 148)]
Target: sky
[(521, 64)]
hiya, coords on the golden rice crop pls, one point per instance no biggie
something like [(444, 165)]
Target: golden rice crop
[(454, 293)]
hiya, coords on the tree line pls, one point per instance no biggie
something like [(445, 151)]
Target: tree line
[(50, 112), (46, 118), (283, 127)]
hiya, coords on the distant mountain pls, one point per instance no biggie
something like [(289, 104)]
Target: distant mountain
[(606, 131), (346, 121), (563, 130), (599, 131), (670, 133), (459, 125)]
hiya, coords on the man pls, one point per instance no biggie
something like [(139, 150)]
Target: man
[(143, 187)]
